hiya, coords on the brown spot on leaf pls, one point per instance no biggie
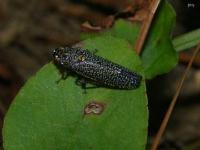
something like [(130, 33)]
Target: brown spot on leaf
[(95, 108)]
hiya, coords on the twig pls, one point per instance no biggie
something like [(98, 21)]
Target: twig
[(173, 102), (146, 25)]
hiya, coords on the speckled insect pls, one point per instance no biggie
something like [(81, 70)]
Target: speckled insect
[(95, 68)]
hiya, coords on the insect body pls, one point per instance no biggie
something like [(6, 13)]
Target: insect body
[(96, 68)]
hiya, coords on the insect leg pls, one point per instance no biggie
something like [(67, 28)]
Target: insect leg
[(95, 51), (65, 74), (63, 77), (83, 83)]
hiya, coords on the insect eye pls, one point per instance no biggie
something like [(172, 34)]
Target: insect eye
[(81, 58)]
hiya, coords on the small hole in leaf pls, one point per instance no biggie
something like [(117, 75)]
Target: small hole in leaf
[(95, 108)]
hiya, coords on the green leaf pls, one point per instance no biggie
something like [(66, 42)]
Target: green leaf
[(159, 55), (187, 40), (121, 29), (125, 30), (46, 115)]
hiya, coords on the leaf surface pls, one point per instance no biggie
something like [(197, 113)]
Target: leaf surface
[(159, 55), (47, 115)]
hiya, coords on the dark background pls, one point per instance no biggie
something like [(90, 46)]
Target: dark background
[(29, 30)]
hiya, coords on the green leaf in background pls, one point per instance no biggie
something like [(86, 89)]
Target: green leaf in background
[(49, 116), (159, 55), (125, 30), (121, 29), (187, 40)]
